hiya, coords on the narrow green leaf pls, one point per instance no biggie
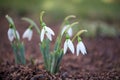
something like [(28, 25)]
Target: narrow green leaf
[(9, 20)]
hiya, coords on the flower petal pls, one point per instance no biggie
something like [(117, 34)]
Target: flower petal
[(11, 34), (63, 30), (65, 46), (78, 49), (28, 34), (70, 32), (71, 46), (49, 36), (82, 48), (49, 30), (42, 35)]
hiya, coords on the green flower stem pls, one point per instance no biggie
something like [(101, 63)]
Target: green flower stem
[(59, 38), (41, 16), (56, 58), (68, 17), (53, 59), (19, 53), (44, 47), (78, 34), (66, 20), (32, 23), (9, 20), (18, 47), (12, 25), (70, 26)]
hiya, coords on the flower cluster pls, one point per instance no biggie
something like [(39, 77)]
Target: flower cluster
[(69, 44), (17, 45), (53, 58)]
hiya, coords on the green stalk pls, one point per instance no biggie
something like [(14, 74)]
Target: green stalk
[(66, 20), (32, 23), (41, 17), (78, 34), (17, 46), (44, 47), (19, 53)]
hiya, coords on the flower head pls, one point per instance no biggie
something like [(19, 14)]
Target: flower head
[(81, 47), (68, 44), (48, 31), (28, 34), (11, 34), (69, 30)]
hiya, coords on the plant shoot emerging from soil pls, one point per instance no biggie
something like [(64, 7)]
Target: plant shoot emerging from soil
[(52, 59), (17, 45)]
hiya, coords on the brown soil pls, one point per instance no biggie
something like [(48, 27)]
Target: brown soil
[(101, 63)]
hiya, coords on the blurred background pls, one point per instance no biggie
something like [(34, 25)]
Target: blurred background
[(100, 17)]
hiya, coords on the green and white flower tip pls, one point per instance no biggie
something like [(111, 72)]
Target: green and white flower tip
[(28, 34), (48, 31), (68, 44), (11, 34), (69, 30), (81, 48)]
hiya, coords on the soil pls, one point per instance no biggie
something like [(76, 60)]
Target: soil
[(101, 63)]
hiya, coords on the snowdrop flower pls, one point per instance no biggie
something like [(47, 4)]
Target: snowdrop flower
[(11, 34), (69, 30), (68, 44), (81, 47), (48, 31), (28, 34)]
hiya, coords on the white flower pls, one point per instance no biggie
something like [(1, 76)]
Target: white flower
[(11, 34), (81, 47), (68, 44), (48, 31), (28, 34), (69, 30)]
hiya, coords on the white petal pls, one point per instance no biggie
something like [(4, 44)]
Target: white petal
[(78, 49), (42, 35), (71, 46), (82, 48), (11, 34), (49, 36), (63, 30), (65, 46), (49, 30), (70, 32), (28, 34)]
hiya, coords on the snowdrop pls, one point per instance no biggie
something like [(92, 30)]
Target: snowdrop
[(17, 45), (12, 34), (69, 30), (48, 31), (68, 44), (28, 34), (81, 47), (52, 59)]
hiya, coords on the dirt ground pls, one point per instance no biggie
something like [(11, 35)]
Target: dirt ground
[(101, 63)]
